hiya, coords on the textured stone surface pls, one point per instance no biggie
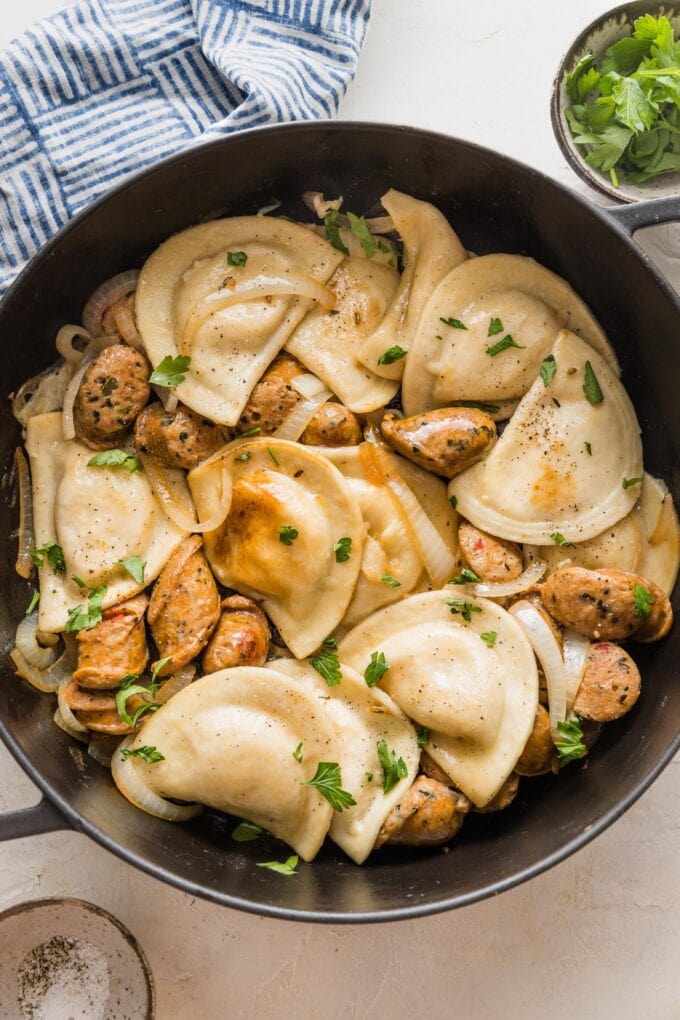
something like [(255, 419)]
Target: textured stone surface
[(598, 936)]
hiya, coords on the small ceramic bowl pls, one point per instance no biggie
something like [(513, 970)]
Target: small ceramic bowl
[(65, 959), (600, 34)]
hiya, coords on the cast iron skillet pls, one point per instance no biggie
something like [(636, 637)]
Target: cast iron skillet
[(495, 204)]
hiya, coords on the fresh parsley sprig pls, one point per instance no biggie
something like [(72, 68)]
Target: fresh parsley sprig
[(53, 553), (342, 549), (376, 668), (171, 372), (327, 663), (328, 782), (282, 868), (148, 753), (85, 618), (135, 567), (116, 458), (393, 768), (570, 746), (644, 600), (465, 609), (392, 354)]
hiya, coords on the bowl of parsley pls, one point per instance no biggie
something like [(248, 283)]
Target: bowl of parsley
[(616, 102)]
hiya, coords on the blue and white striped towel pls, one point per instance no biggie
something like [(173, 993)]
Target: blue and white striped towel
[(106, 87)]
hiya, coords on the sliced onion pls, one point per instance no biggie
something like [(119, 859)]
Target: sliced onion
[(380, 224), (104, 296), (46, 681), (532, 575), (59, 721), (94, 348), (437, 558), (64, 343), (308, 385), (266, 209), (127, 327), (664, 522), (43, 393), (292, 285), (174, 497), (175, 683), (132, 786), (24, 563), (102, 747), (316, 203), (547, 651), (167, 398), (75, 728), (299, 417), (27, 642), (575, 654)]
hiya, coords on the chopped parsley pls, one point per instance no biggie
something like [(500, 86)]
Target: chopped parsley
[(109, 385), (503, 345), (589, 449), (116, 458), (135, 567), (342, 549), (250, 432), (644, 600), (480, 405), (54, 555), (128, 687), (570, 747), (390, 581), (148, 753), (246, 832), (466, 575), (359, 227), (328, 781), (332, 230), (287, 534), (629, 482), (591, 386), (391, 355), (273, 456), (489, 638), (33, 603), (236, 258), (327, 665), (393, 768), (464, 608), (376, 669), (297, 753), (286, 868), (423, 735), (548, 369), (453, 500), (158, 666), (243, 457), (171, 371), (561, 540), (453, 323), (80, 618), (495, 326)]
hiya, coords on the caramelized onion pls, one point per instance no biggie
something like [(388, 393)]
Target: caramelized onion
[(104, 296), (316, 203), (46, 681), (132, 786), (24, 563), (59, 721), (500, 590), (299, 417), (71, 724), (575, 654), (175, 683), (42, 393), (64, 343), (171, 491), (547, 651), (34, 653)]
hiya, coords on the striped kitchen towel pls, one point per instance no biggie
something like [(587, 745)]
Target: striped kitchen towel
[(105, 87)]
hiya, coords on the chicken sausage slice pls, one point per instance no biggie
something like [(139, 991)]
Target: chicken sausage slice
[(430, 813), (444, 441), (114, 647), (241, 637)]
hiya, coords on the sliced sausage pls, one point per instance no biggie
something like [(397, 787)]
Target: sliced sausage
[(539, 750), (429, 813), (107, 721), (610, 685), (184, 607), (177, 439), (445, 441), (241, 637), (492, 559), (503, 798), (97, 709), (333, 425), (430, 768), (273, 397), (113, 391), (602, 604), (113, 648)]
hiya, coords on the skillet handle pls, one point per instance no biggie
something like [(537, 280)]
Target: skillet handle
[(645, 214), (32, 821)]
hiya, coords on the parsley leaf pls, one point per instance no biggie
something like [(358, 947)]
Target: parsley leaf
[(135, 567), (423, 735), (287, 868), (393, 768), (109, 385), (628, 483), (495, 326), (570, 747), (126, 691), (391, 581), (297, 753), (273, 456), (391, 355), (332, 230), (171, 371), (589, 449), (644, 601), (453, 500), (158, 666), (327, 665), (359, 227), (503, 345), (249, 432), (33, 603), (328, 781), (560, 540), (287, 534), (464, 608), (489, 637), (453, 323), (466, 576), (246, 832), (342, 550), (80, 618), (548, 369), (244, 457), (591, 386), (148, 753), (54, 554), (116, 458), (376, 669), (236, 258), (480, 405)]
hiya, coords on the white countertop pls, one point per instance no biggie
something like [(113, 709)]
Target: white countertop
[(599, 935)]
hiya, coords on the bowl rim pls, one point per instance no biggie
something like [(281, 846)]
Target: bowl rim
[(267, 909), (561, 133)]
